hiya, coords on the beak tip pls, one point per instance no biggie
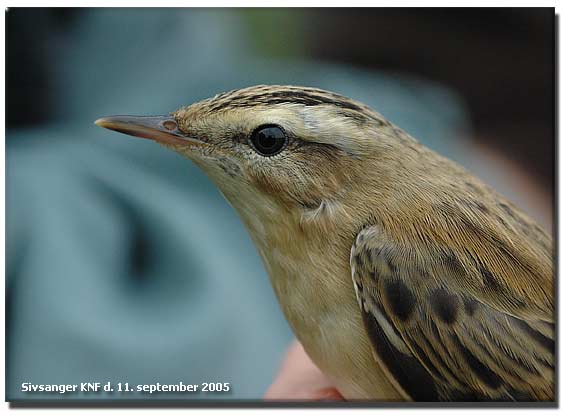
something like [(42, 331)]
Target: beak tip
[(101, 122)]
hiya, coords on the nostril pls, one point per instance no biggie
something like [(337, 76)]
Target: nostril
[(170, 125)]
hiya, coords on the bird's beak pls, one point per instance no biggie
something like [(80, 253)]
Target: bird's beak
[(163, 129)]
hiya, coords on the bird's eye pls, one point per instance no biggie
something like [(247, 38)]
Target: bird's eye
[(269, 140)]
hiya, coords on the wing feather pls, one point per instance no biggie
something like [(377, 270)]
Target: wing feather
[(441, 342)]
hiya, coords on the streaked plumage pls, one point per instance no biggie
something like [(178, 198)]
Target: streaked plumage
[(451, 295)]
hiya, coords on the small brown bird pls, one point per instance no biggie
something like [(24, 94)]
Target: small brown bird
[(403, 275)]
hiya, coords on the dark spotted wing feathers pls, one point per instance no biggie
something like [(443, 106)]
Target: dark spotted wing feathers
[(440, 342)]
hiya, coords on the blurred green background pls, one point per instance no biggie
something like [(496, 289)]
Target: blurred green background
[(124, 263)]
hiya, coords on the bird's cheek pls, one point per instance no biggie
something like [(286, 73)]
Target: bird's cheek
[(279, 188), (265, 181), (230, 167)]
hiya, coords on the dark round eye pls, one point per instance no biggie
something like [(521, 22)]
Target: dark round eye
[(269, 140)]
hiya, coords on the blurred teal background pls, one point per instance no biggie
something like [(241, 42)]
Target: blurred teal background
[(124, 263)]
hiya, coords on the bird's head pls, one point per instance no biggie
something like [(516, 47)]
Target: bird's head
[(272, 149)]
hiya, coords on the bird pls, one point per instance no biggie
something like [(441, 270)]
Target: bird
[(403, 275)]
